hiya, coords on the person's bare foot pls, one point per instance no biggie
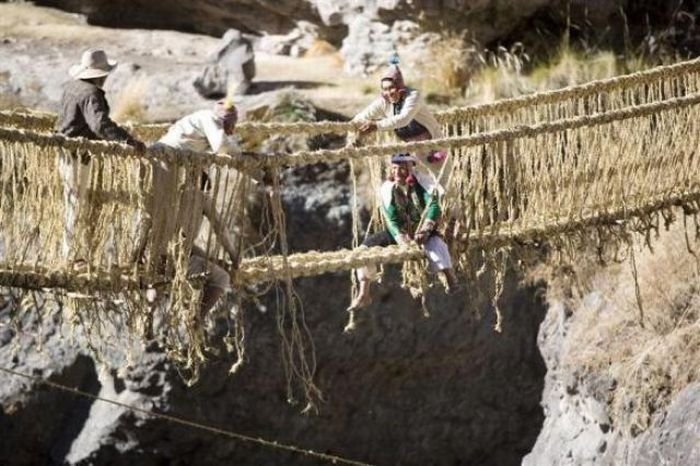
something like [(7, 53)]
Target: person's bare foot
[(351, 325), (360, 302)]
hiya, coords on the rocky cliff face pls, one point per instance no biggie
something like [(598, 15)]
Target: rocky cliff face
[(485, 18), (213, 18), (367, 29), (621, 385), (579, 428)]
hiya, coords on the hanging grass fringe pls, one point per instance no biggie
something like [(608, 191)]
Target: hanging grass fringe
[(577, 169)]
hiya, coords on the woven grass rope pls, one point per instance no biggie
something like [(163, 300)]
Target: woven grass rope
[(576, 168)]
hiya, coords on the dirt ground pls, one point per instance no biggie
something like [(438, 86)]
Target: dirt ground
[(38, 45)]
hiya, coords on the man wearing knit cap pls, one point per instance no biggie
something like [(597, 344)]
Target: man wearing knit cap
[(401, 109)]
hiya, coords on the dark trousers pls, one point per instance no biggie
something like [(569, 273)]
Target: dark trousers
[(383, 238)]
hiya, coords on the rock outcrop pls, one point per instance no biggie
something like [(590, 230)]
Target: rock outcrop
[(578, 429), (618, 392), (364, 27), (231, 68)]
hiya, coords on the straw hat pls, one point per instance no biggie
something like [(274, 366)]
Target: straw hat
[(93, 64)]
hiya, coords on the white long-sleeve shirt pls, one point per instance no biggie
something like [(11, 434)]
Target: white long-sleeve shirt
[(200, 132), (414, 108)]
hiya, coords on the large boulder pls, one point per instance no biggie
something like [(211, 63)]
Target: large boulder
[(295, 43), (231, 67), (368, 46)]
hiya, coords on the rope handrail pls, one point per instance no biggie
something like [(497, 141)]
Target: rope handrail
[(315, 263), (44, 120), (99, 147), (247, 163), (489, 137), (579, 90)]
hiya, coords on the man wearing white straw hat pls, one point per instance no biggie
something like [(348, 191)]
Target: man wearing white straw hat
[(84, 113), (84, 110)]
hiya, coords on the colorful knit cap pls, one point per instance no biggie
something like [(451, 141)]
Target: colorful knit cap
[(394, 73)]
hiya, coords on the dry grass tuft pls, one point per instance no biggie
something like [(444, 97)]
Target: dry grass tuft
[(570, 68), (10, 101), (130, 105), (455, 69), (320, 48), (500, 76), (650, 356)]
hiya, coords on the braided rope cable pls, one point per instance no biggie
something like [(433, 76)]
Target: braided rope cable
[(101, 148), (37, 278), (578, 91), (490, 137), (316, 263), (45, 121), (245, 163)]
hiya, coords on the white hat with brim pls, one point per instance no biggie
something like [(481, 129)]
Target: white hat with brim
[(93, 64)]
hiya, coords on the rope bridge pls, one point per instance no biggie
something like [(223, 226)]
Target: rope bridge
[(608, 156)]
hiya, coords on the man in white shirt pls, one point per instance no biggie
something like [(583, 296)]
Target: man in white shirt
[(401, 109), (205, 130), (201, 131)]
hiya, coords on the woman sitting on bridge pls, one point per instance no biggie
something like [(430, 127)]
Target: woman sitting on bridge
[(401, 109), (411, 214)]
